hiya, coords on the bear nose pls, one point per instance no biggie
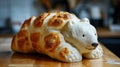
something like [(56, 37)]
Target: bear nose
[(94, 44)]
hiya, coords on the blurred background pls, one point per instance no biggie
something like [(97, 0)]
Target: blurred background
[(103, 14)]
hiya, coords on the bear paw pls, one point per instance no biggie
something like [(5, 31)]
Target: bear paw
[(74, 56), (69, 54)]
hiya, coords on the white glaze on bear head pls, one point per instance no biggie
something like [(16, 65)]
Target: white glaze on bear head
[(81, 34)]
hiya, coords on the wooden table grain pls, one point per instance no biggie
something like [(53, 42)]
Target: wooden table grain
[(9, 58)]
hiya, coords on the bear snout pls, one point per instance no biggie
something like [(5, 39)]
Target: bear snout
[(95, 44)]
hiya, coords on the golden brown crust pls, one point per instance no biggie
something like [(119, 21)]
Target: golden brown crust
[(22, 34), (22, 42), (22, 39), (64, 15), (39, 20), (52, 41), (37, 47), (63, 53), (35, 39), (57, 20), (14, 46), (26, 23)]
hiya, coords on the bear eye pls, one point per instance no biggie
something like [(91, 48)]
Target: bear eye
[(83, 35), (95, 34)]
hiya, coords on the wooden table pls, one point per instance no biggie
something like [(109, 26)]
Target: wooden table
[(10, 59)]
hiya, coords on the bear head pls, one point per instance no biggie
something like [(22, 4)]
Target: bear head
[(81, 34)]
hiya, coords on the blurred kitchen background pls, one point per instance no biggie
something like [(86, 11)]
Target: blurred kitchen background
[(103, 14)]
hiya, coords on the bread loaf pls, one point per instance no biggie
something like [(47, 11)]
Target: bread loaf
[(46, 34)]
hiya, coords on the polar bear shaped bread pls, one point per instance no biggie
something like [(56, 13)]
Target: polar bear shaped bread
[(60, 35)]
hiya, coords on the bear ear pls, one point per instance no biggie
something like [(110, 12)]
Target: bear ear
[(85, 20), (69, 24)]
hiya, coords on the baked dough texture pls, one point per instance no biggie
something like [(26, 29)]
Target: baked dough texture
[(53, 34)]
